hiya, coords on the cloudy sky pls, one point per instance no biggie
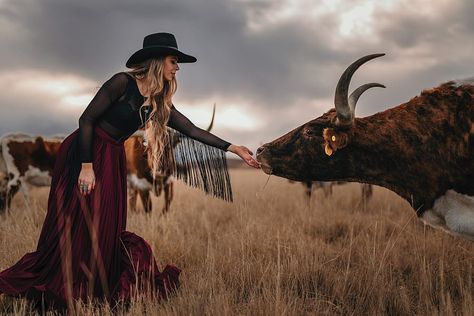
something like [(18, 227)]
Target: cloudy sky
[(270, 65)]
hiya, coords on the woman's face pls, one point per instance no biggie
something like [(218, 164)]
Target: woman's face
[(170, 67)]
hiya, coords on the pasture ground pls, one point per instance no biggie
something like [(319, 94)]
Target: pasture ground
[(272, 252)]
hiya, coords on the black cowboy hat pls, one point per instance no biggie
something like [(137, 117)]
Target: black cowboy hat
[(159, 44)]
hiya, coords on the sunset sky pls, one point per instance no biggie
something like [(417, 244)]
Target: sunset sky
[(269, 65)]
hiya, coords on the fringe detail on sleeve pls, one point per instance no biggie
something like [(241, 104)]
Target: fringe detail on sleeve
[(201, 166)]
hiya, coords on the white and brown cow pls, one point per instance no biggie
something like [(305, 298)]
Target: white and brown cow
[(28, 160), (140, 179), (423, 150), (25, 161)]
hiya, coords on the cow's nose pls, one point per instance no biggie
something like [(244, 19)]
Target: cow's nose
[(260, 150)]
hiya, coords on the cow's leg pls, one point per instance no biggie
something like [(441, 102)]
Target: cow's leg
[(10, 194), (327, 189), (132, 199), (3, 202), (309, 188), (366, 191), (169, 187), (146, 200), (25, 191)]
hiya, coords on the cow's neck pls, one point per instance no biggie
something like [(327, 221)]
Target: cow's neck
[(390, 149)]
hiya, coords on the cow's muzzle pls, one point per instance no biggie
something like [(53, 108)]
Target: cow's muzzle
[(262, 158)]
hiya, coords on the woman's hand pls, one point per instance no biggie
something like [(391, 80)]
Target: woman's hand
[(86, 180), (244, 153)]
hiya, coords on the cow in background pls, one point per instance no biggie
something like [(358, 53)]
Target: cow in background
[(140, 179), (327, 186), (3, 183), (25, 161), (139, 174)]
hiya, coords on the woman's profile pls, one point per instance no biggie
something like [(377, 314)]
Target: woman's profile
[(84, 251)]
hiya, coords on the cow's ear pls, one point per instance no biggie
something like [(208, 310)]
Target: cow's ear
[(39, 141), (334, 140)]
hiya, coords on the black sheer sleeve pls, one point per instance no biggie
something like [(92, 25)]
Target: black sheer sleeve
[(182, 124), (110, 91)]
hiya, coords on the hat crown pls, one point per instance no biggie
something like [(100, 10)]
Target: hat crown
[(158, 45), (160, 39)]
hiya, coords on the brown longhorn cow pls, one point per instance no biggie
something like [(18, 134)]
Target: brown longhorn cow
[(422, 149)]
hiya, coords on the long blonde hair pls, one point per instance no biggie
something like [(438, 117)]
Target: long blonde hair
[(160, 93)]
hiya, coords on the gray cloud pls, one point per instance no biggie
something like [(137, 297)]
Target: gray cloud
[(291, 61), (30, 117)]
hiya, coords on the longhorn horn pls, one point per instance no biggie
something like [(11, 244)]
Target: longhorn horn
[(354, 97), (344, 115), (212, 120)]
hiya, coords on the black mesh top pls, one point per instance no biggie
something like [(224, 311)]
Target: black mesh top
[(115, 108)]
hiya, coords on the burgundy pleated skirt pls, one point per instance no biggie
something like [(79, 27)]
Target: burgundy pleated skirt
[(84, 250)]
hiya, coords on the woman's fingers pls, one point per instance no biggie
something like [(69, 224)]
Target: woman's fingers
[(249, 151), (86, 181), (255, 164), (245, 154), (79, 184), (251, 162), (86, 187), (247, 157)]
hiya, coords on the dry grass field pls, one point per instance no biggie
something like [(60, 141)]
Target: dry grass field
[(272, 252)]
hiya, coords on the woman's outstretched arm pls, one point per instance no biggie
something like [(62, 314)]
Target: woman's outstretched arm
[(182, 124)]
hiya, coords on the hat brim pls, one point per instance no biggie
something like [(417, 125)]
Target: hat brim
[(158, 51)]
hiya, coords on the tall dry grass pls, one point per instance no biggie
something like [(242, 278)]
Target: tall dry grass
[(274, 252)]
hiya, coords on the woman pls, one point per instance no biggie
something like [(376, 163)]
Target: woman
[(83, 250)]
